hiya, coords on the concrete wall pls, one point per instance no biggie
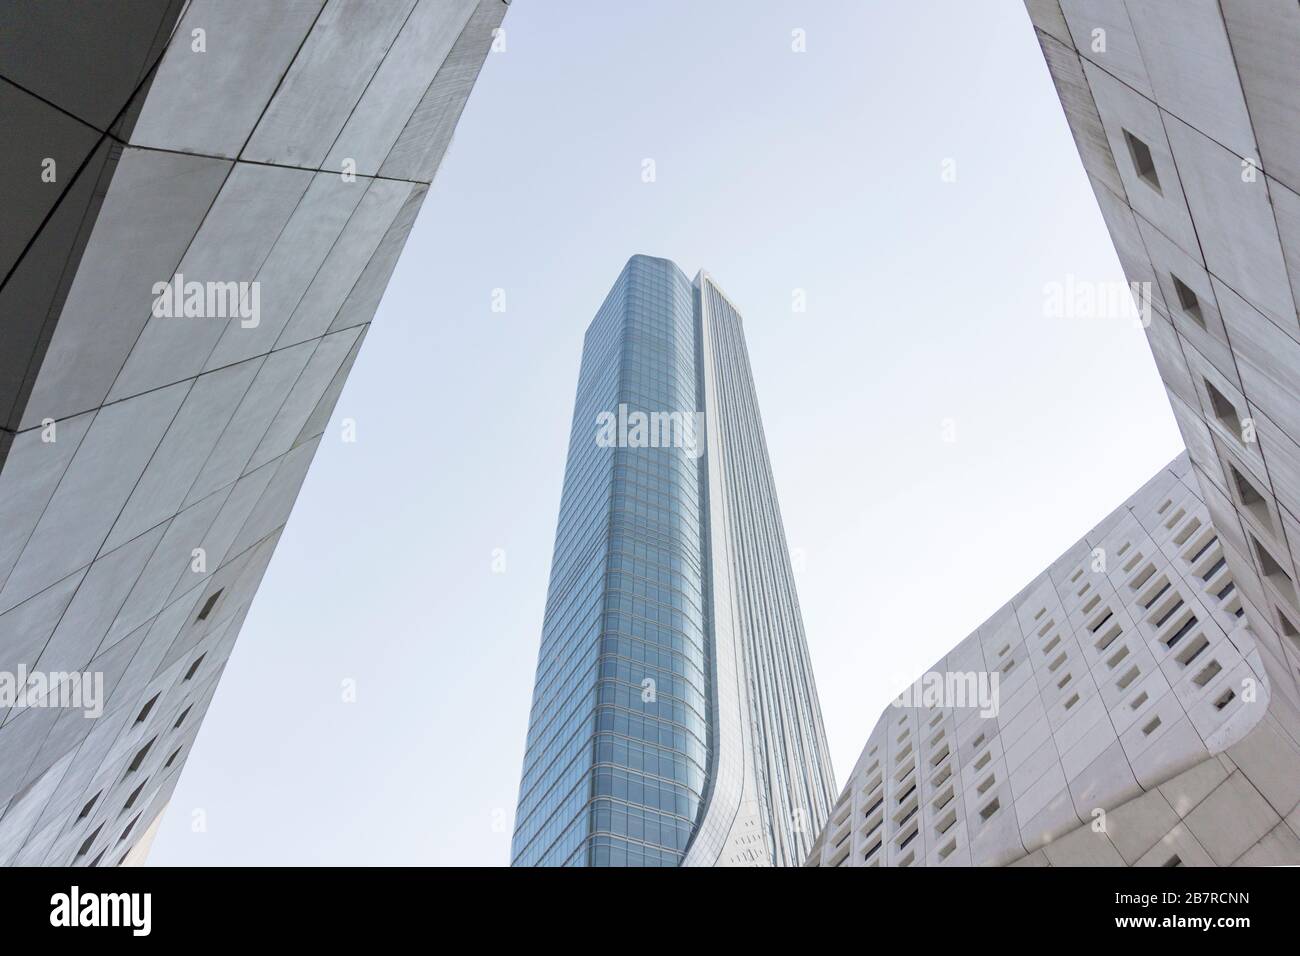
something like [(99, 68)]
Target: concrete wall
[(1211, 226), (1187, 118), (1186, 114), (207, 138), (1131, 695)]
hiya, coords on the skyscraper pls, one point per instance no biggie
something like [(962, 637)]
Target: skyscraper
[(675, 719), (207, 200)]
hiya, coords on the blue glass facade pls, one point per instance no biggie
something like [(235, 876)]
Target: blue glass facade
[(624, 729)]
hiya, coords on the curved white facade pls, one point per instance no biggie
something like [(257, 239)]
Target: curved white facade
[(772, 780), (1131, 719)]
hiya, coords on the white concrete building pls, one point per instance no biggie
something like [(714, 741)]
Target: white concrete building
[(1131, 722), (1149, 712), (1187, 118), (275, 155)]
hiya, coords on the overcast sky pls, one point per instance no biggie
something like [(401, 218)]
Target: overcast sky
[(927, 318)]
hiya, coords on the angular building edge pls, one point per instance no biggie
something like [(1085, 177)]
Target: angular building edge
[(177, 434)]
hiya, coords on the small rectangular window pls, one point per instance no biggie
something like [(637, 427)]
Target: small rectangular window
[(194, 667), (1193, 650), (990, 809), (209, 604), (1108, 638), (1289, 630), (135, 794), (1143, 164), (139, 757), (90, 804), (1273, 571), (1208, 674), (1182, 632), (1250, 497), (90, 841), (1224, 410), (946, 823), (902, 845), (129, 827), (144, 712), (1188, 301)]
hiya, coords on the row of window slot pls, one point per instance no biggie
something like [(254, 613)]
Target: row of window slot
[(1254, 502), (1106, 639), (1179, 538), (908, 808), (137, 761)]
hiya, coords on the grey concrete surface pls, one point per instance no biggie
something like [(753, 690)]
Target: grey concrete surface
[(149, 461)]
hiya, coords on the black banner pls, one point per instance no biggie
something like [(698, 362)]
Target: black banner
[(336, 906)]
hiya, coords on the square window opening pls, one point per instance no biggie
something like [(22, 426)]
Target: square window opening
[(1188, 300), (1250, 497), (1143, 163), (1224, 410)]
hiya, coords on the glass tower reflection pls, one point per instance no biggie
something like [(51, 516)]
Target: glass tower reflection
[(625, 730)]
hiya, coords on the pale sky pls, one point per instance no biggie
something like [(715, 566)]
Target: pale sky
[(776, 171)]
